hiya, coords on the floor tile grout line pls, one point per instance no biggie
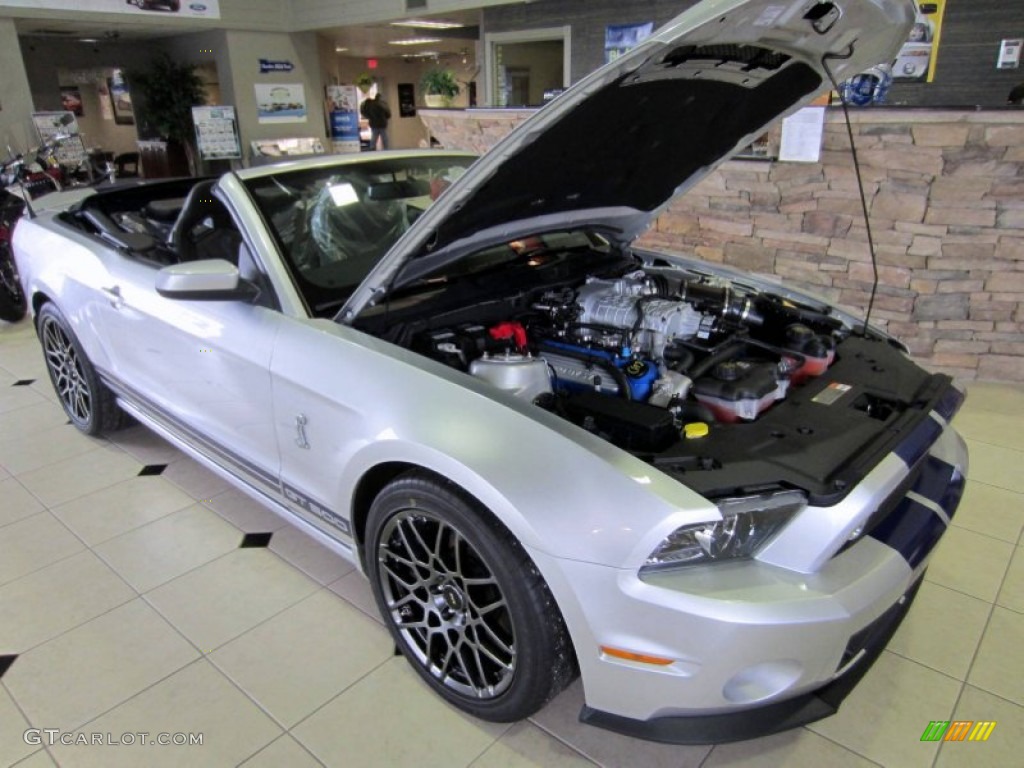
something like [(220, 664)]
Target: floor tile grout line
[(30, 470), (200, 659), (18, 706), (202, 655), (988, 623), (78, 727), (961, 592), (354, 683), (19, 577), (570, 745), (75, 458), (120, 533), (285, 735), (41, 643), (842, 746), (974, 657), (493, 744)]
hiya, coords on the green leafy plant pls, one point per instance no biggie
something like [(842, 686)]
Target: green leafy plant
[(440, 82), (168, 91), (364, 82)]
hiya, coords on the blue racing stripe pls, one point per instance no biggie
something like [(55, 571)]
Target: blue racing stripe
[(912, 530), (919, 441)]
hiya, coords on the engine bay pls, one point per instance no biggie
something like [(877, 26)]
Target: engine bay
[(733, 387)]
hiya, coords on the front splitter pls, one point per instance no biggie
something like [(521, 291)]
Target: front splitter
[(770, 718)]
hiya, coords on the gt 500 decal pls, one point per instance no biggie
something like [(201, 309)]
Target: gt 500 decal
[(316, 509)]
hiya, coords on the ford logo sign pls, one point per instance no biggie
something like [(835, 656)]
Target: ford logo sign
[(198, 7)]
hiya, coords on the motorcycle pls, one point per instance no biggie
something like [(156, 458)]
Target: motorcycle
[(24, 180)]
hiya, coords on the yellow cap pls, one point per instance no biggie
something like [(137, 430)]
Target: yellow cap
[(695, 430)]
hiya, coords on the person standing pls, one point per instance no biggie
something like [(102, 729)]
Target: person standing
[(376, 112)]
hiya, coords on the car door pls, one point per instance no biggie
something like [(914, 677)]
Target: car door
[(198, 367)]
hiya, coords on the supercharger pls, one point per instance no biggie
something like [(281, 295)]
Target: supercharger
[(634, 303)]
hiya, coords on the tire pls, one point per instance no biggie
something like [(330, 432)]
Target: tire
[(12, 298), (463, 601), (86, 401)]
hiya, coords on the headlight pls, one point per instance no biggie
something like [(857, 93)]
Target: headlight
[(747, 523)]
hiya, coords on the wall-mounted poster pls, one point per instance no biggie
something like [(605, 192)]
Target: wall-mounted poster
[(281, 103), (71, 99), (919, 55), (120, 99), (203, 9), (406, 100), (217, 133), (343, 103), (619, 38)]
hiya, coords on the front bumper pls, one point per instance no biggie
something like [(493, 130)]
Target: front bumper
[(756, 647), (769, 718)]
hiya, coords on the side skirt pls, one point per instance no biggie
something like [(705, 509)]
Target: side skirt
[(259, 489)]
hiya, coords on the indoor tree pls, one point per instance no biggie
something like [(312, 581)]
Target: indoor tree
[(168, 91)]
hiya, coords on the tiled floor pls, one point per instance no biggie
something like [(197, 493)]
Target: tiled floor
[(129, 606)]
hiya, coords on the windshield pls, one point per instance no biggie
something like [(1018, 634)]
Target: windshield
[(333, 224)]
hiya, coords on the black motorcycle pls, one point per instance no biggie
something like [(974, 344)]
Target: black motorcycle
[(23, 180), (20, 180)]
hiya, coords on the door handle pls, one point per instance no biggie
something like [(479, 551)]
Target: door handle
[(113, 295)]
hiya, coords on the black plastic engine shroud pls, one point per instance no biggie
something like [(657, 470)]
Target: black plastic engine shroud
[(824, 437)]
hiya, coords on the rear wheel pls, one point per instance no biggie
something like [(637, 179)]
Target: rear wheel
[(464, 602), (12, 298), (86, 401)]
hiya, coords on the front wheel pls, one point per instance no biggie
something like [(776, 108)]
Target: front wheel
[(463, 601), (87, 402)]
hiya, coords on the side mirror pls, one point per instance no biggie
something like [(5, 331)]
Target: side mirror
[(209, 280)]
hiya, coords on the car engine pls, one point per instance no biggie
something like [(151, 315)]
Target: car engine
[(639, 357)]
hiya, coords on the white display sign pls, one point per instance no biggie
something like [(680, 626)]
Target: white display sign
[(1009, 53), (281, 103), (217, 133), (206, 9), (51, 125), (801, 136)]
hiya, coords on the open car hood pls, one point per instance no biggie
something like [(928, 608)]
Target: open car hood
[(614, 149)]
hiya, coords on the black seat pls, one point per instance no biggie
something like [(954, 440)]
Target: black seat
[(204, 229)]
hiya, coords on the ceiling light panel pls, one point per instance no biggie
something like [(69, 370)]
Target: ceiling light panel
[(415, 41), (427, 24)]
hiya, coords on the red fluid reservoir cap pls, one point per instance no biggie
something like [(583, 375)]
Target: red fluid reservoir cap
[(510, 330)]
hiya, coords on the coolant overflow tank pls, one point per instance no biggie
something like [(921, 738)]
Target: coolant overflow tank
[(522, 375)]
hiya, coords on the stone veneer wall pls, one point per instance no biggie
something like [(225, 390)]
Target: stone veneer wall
[(946, 195)]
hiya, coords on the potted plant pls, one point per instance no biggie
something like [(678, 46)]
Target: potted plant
[(364, 82), (439, 87), (168, 91)]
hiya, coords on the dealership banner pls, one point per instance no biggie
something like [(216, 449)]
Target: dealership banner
[(919, 54), (619, 38), (205, 9), (343, 101)]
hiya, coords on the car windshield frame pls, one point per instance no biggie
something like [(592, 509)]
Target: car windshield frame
[(332, 224)]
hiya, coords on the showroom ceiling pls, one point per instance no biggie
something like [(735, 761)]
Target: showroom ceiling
[(369, 40)]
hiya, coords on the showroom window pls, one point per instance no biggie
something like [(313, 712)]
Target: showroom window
[(527, 68)]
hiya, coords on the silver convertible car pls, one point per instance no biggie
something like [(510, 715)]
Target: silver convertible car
[(551, 452)]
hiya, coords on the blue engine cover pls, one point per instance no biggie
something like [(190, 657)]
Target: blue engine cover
[(640, 374)]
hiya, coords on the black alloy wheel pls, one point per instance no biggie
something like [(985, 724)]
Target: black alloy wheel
[(463, 601), (87, 402)]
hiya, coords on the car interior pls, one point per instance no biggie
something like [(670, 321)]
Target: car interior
[(170, 223)]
